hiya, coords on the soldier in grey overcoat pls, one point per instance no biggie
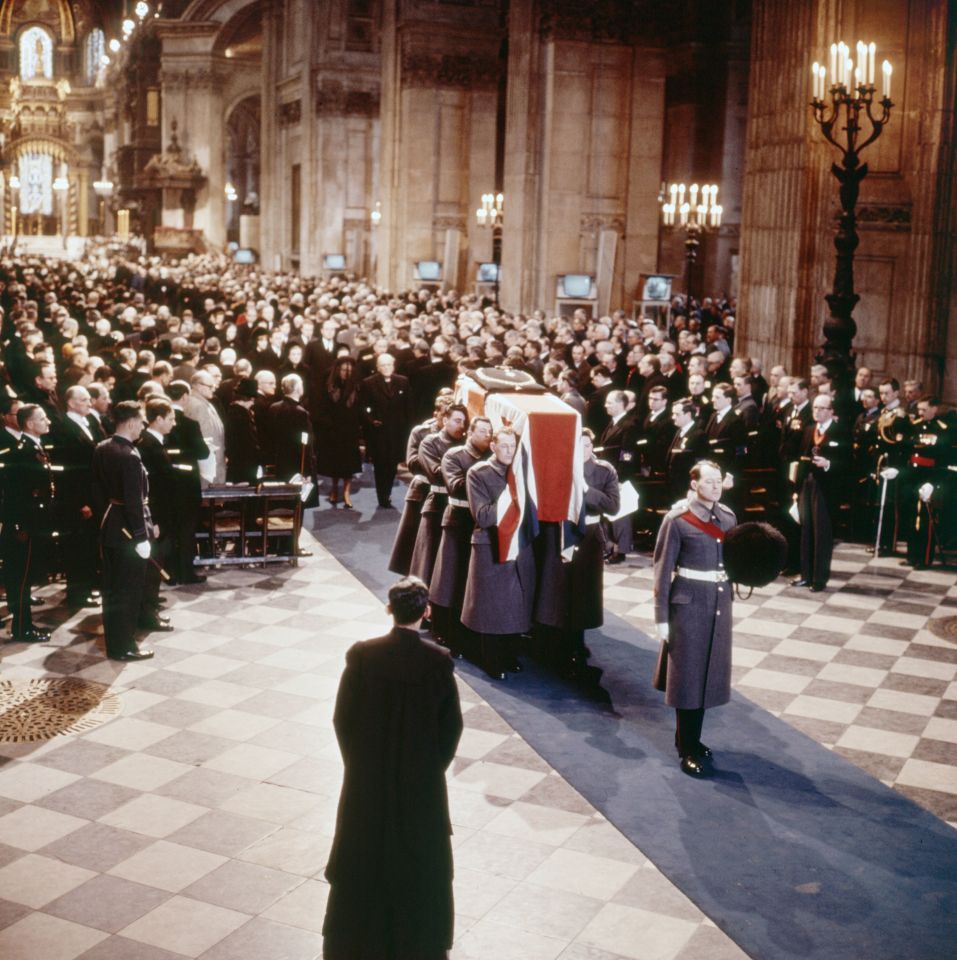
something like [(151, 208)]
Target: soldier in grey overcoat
[(401, 559), (569, 598), (693, 611), (452, 562), (498, 593), (431, 451)]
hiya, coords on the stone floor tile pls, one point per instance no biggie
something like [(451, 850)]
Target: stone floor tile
[(107, 903), (638, 934), (185, 926), (246, 887), (39, 935), (169, 866), (304, 906), (35, 880), (266, 939), (31, 827)]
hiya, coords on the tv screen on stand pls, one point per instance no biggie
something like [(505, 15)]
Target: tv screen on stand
[(488, 273), (576, 286), (430, 270), (334, 261)]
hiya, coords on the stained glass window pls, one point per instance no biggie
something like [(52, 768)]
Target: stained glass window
[(95, 50), (36, 54), (36, 183)]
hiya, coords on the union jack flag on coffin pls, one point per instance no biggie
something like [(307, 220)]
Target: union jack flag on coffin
[(548, 462)]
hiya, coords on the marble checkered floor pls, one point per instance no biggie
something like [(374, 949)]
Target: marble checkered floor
[(855, 668), (197, 822)]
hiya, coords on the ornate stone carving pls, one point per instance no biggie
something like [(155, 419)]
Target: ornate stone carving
[(453, 222), (336, 99), (593, 223), (290, 113), (449, 70), (893, 217), (195, 79), (174, 167), (600, 20)]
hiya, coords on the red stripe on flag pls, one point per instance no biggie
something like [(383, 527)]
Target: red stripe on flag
[(553, 442), (509, 523)]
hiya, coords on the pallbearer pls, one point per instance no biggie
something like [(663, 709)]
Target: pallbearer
[(500, 589), (452, 563)]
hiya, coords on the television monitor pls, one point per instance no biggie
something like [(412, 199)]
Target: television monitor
[(488, 273), (576, 286), (334, 261), (429, 269), (245, 255), (656, 287)]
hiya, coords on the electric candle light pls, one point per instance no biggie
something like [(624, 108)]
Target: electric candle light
[(886, 70), (871, 50)]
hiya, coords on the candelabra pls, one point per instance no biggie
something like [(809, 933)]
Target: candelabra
[(699, 214), (839, 108), (492, 214)]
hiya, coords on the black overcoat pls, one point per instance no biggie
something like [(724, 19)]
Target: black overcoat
[(398, 722)]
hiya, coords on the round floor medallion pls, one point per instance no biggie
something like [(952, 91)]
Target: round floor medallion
[(41, 709), (944, 627)]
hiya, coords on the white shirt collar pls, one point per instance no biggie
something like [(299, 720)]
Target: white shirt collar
[(686, 428), (617, 418), (158, 436), (721, 414)]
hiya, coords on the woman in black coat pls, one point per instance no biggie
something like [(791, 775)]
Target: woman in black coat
[(338, 427)]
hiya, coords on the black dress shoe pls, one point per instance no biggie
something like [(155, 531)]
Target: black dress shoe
[(32, 635), (704, 753), (514, 667), (615, 559), (144, 654), (800, 582), (817, 587), (692, 767), (36, 601), (156, 624)]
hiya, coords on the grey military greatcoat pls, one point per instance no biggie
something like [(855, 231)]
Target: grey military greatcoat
[(431, 451), (401, 559), (498, 596), (452, 562), (694, 665)]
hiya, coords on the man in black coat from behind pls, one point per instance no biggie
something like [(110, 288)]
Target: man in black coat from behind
[(398, 722), (243, 459), (290, 426), (386, 414)]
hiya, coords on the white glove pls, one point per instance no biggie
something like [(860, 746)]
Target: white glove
[(143, 550), (662, 631), (889, 473), (925, 491)]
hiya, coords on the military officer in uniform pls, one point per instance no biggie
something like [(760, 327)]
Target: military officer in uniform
[(693, 612), (27, 519), (922, 482), (893, 434), (431, 451), (452, 561), (400, 560), (120, 490), (499, 592)]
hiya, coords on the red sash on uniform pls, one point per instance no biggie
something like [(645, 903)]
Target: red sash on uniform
[(711, 529)]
